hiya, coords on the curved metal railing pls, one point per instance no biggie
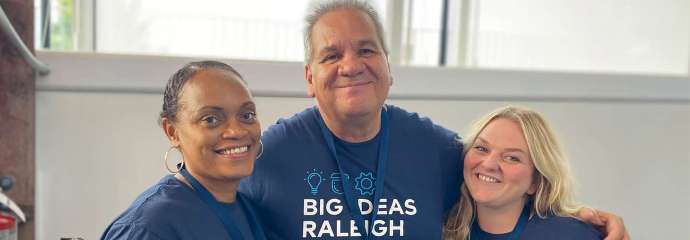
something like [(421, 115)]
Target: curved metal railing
[(12, 35)]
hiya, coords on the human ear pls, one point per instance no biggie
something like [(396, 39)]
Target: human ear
[(170, 132), (310, 82), (390, 75)]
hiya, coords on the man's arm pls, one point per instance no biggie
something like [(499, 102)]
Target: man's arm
[(609, 224)]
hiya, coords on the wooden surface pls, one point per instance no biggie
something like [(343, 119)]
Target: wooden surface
[(17, 112)]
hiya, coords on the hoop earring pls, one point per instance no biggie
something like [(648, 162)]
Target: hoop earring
[(261, 151), (165, 159)]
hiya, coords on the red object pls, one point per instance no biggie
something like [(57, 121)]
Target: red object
[(6, 222)]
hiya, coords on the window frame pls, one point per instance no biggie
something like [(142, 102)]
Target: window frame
[(99, 72)]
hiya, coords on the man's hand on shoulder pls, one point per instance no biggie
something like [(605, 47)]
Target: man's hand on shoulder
[(609, 224)]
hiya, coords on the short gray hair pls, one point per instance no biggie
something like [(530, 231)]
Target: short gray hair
[(320, 8)]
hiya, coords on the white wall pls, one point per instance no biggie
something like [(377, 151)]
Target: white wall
[(98, 146)]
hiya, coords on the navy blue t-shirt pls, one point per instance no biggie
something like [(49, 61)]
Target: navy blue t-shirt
[(554, 227), (172, 210), (236, 210), (297, 190)]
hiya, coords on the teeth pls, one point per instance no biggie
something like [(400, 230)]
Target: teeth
[(235, 150), (239, 149), (487, 178)]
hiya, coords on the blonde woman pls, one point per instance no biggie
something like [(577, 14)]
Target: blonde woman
[(517, 183)]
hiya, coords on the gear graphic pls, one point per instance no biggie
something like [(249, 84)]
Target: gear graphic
[(364, 183)]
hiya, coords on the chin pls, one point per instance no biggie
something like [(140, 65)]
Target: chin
[(235, 176), (236, 172), (480, 200), (483, 198), (492, 203), (358, 109)]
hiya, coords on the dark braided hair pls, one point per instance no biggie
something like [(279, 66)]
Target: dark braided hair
[(179, 79)]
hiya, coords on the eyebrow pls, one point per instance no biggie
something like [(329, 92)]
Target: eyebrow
[(367, 42), (248, 104), (327, 49), (480, 139), (210, 108), (334, 48)]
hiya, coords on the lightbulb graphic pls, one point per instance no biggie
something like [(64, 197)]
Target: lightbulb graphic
[(314, 179)]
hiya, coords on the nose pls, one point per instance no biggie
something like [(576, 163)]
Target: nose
[(351, 65), (234, 130), (490, 162)]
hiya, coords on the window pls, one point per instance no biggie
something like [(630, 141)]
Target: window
[(644, 37), (585, 35), (421, 33), (259, 29), (54, 24)]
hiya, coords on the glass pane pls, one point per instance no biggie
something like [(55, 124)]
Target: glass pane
[(426, 32), (59, 31), (585, 35), (421, 34), (259, 29)]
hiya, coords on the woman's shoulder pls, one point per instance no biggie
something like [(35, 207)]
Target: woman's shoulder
[(151, 209), (125, 231), (557, 227), (169, 193), (161, 202), (167, 210)]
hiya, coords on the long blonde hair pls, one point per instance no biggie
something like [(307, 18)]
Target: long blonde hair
[(554, 195)]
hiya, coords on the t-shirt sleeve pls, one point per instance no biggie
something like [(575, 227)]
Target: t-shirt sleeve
[(128, 231), (566, 228), (585, 231), (252, 186), (450, 153), (247, 187), (591, 234)]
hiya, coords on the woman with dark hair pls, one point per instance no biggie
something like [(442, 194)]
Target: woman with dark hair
[(209, 117)]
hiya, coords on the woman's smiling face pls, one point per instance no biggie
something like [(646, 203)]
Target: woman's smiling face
[(498, 169), (216, 127)]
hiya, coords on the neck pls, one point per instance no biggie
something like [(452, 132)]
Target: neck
[(354, 129), (498, 220), (222, 190)]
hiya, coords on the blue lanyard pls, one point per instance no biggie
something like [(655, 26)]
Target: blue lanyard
[(515, 234), (380, 172), (218, 209)]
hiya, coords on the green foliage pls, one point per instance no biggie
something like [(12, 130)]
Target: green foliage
[(62, 26)]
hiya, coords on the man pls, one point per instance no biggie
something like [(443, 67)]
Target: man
[(326, 169)]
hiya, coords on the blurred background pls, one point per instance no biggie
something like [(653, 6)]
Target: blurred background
[(626, 36)]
